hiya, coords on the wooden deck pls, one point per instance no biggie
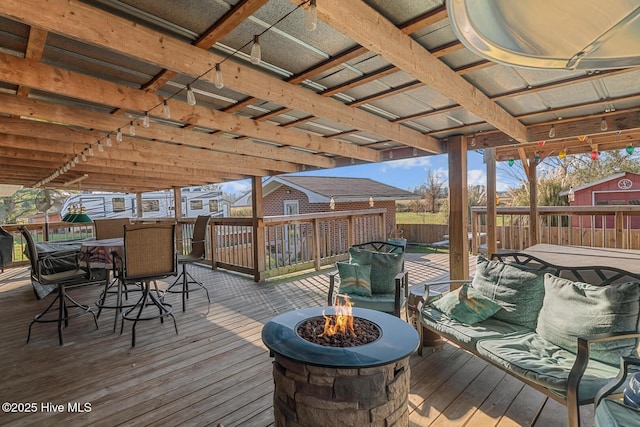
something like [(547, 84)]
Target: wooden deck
[(216, 370)]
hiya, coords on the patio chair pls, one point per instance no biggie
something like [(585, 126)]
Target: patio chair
[(110, 227), (149, 254), (616, 407), (61, 280), (197, 253), (373, 278)]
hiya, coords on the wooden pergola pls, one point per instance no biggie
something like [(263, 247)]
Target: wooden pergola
[(375, 81)]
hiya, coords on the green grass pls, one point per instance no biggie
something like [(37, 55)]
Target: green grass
[(419, 218), (418, 249)]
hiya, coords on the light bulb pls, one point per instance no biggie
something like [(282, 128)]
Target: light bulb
[(311, 17), (75, 160), (119, 136), (629, 149), (603, 125), (132, 129), (594, 155), (84, 157), (145, 120), (166, 112), (91, 150), (100, 147), (536, 158), (219, 82), (332, 203), (511, 162), (109, 143), (562, 154), (541, 143), (371, 202), (256, 51), (552, 132), (191, 97)]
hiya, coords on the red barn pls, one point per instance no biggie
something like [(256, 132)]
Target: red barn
[(619, 189)]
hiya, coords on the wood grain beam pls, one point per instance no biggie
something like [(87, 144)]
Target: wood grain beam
[(75, 19), (363, 24)]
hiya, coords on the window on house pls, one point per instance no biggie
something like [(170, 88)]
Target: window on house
[(213, 206), (195, 204), (291, 207), (117, 204), (151, 205)]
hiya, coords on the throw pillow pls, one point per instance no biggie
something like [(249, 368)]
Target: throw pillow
[(575, 309), (384, 268), (518, 289), (354, 279), (466, 305)]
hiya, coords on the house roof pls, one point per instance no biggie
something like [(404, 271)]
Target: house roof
[(598, 182), (320, 189), (377, 80)]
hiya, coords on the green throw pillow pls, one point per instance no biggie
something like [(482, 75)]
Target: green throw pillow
[(575, 309), (518, 289), (466, 305), (384, 268), (354, 279)]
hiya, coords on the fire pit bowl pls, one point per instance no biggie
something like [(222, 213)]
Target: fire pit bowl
[(317, 385)]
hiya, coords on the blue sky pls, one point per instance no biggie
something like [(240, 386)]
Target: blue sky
[(405, 174)]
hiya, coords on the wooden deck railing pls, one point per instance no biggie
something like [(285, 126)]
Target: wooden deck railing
[(287, 243), (596, 226)]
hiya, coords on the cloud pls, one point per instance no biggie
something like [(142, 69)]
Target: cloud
[(502, 186), (476, 177), (236, 186), (409, 163)]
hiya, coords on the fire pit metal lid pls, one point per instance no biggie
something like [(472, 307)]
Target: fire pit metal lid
[(397, 340)]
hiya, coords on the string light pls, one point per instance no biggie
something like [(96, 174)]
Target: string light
[(603, 124), (311, 17), (594, 155), (332, 203), (310, 23), (536, 158), (256, 51), (552, 132), (219, 81), (511, 162), (371, 202), (629, 149), (541, 143), (562, 154), (191, 97)]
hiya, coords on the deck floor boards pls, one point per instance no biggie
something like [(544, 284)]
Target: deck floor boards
[(216, 370)]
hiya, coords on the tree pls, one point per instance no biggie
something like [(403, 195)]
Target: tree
[(432, 189)]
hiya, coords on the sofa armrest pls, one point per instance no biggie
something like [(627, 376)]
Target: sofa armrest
[(401, 280), (580, 365), (611, 386)]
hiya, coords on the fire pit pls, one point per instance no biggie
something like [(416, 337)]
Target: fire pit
[(323, 385)]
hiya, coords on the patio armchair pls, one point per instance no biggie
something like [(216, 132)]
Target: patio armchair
[(197, 253), (62, 280), (613, 408), (149, 254), (110, 227), (373, 278)]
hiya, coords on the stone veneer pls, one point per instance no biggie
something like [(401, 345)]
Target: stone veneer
[(313, 396)]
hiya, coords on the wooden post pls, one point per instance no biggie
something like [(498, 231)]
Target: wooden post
[(619, 229), (458, 215), (533, 203), (490, 161), (258, 229), (139, 211), (177, 213)]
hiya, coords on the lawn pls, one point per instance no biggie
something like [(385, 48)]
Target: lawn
[(419, 218)]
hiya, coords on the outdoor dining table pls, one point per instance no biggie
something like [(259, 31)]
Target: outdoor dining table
[(102, 254), (586, 256)]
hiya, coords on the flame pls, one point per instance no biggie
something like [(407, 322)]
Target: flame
[(342, 321)]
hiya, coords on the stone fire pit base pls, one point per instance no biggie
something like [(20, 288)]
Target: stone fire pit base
[(314, 396)]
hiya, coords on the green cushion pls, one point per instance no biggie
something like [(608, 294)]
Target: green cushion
[(574, 309), (613, 413), (516, 288), (466, 305), (354, 279), (378, 302), (384, 268)]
